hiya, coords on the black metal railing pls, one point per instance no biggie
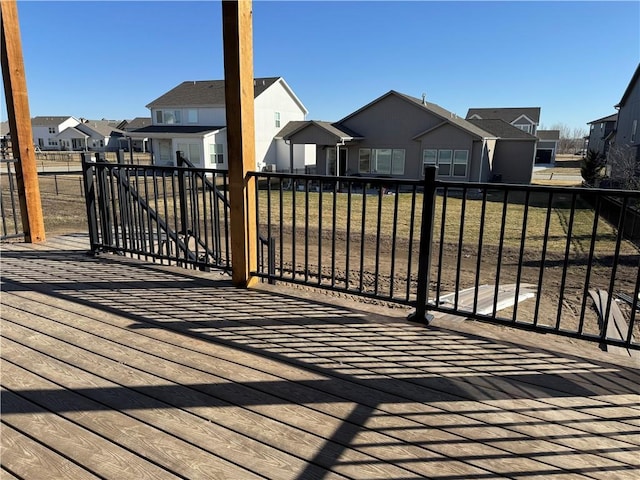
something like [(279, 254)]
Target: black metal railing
[(173, 215), (9, 202), (533, 257)]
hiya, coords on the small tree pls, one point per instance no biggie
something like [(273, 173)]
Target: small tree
[(592, 167), (625, 167)]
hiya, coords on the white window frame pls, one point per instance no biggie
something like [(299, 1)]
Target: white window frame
[(367, 152), (634, 129), (460, 161), (52, 130), (216, 153), (525, 127), (276, 117), (162, 117), (442, 163), (192, 115)]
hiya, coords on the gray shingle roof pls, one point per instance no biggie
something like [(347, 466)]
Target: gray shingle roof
[(48, 121), (137, 122), (508, 114), (502, 129), (102, 127), (335, 129), (548, 134), (609, 118), (204, 92)]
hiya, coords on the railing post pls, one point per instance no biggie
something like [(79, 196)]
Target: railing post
[(426, 239), (88, 168), (182, 191), (271, 261), (104, 200)]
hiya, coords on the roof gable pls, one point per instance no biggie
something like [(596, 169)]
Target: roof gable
[(609, 118), (432, 108), (632, 84)]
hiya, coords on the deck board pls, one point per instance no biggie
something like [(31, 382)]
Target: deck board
[(116, 368)]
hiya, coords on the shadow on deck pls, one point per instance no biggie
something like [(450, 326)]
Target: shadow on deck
[(116, 368)]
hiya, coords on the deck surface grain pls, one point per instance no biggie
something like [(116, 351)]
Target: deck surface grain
[(116, 368)]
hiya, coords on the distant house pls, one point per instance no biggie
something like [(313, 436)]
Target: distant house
[(627, 132), (601, 133), (396, 135), (526, 119), (191, 118), (95, 135), (137, 144), (547, 146), (46, 129), (5, 140)]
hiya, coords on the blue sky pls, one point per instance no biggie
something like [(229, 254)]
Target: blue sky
[(109, 59)]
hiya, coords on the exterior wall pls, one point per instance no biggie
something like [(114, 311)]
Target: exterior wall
[(513, 160), (214, 116), (597, 134), (452, 138), (274, 99), (303, 155), (41, 133), (390, 123), (629, 112)]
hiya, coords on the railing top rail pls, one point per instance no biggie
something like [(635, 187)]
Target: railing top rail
[(537, 188), (336, 178), (8, 160)]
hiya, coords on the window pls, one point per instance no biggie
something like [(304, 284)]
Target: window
[(52, 129), (444, 162), (397, 162), (191, 151), (364, 165), (460, 160), (430, 157), (52, 142), (277, 119), (450, 163), (634, 128), (216, 153), (168, 117), (331, 161), (192, 115), (524, 127), (383, 161)]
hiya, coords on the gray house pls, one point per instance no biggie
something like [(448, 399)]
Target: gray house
[(627, 135), (601, 133), (396, 135), (526, 119)]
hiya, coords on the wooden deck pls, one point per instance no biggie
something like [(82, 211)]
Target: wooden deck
[(117, 369)]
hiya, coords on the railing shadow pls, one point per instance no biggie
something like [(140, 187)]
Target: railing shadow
[(438, 380)]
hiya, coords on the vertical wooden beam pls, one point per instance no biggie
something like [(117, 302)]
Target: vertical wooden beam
[(239, 99), (15, 89)]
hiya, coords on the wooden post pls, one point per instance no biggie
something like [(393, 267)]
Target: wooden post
[(15, 90), (239, 99)]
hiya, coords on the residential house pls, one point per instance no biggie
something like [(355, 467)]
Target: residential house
[(5, 140), (547, 146), (96, 135), (627, 135), (191, 118), (601, 133), (396, 135), (137, 144), (46, 129), (526, 119)]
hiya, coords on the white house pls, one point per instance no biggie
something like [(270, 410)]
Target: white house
[(191, 118), (46, 129), (98, 135)]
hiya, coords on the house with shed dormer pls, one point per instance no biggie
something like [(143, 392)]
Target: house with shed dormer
[(191, 118), (396, 135)]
